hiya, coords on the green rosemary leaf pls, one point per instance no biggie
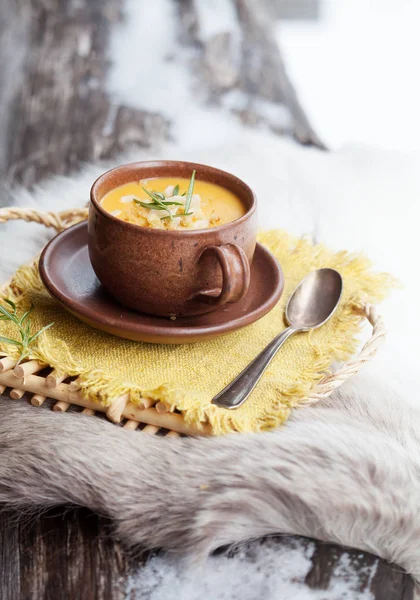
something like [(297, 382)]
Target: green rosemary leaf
[(10, 303), (171, 203), (154, 206), (158, 197), (184, 194), (176, 190), (24, 354), (150, 205), (24, 328), (158, 201), (146, 204), (7, 340), (27, 332), (26, 315), (38, 333), (8, 315), (149, 193), (5, 312), (189, 193)]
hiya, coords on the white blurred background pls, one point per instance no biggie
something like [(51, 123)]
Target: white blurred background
[(355, 65)]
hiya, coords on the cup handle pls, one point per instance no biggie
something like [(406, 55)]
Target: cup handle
[(236, 275)]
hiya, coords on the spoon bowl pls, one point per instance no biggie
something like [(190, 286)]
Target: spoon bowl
[(314, 300)]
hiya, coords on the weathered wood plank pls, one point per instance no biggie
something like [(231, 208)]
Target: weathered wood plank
[(392, 583), (66, 554), (263, 71), (58, 115), (75, 557), (381, 579), (324, 561), (240, 67), (61, 115), (9, 555)]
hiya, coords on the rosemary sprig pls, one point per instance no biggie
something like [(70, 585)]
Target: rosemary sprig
[(24, 326), (189, 195), (160, 202), (158, 206), (157, 197)]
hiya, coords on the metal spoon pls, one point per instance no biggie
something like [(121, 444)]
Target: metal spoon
[(312, 303)]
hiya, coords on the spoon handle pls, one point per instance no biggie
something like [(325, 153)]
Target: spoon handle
[(236, 392)]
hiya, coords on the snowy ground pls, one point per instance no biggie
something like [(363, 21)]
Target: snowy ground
[(270, 572)]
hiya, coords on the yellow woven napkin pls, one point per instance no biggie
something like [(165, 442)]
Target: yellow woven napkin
[(187, 377)]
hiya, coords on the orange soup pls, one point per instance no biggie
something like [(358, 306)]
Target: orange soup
[(173, 203)]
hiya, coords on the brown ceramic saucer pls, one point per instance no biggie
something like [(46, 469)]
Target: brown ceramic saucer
[(68, 276)]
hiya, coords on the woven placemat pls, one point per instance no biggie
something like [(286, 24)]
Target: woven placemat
[(42, 382)]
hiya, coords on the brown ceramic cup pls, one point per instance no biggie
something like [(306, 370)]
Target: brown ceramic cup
[(171, 273)]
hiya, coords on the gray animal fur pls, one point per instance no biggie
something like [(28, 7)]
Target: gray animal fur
[(346, 471)]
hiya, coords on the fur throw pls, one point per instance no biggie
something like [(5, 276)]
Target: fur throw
[(346, 471)]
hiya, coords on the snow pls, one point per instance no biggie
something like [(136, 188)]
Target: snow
[(215, 17), (273, 114), (273, 570), (144, 46)]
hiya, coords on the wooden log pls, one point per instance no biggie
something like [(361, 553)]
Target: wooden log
[(37, 385), (38, 400), (146, 403), (115, 411), (88, 412), (74, 385), (161, 407), (167, 420), (150, 429), (16, 394), (7, 363), (28, 368), (54, 378), (132, 425), (61, 406)]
